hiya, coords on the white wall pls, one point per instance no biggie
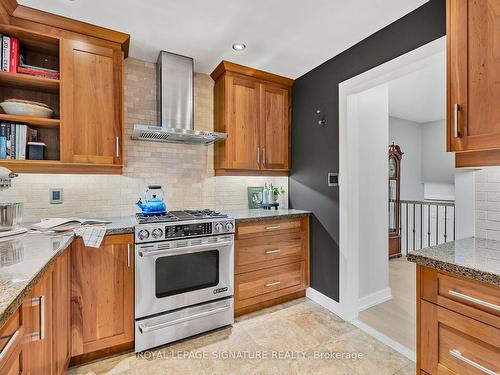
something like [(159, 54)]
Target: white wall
[(438, 165), (408, 135), (373, 123)]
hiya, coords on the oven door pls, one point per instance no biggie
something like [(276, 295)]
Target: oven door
[(178, 273)]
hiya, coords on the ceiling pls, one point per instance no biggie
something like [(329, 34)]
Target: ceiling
[(287, 37), (421, 95)]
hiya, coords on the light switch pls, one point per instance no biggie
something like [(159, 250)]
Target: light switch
[(333, 179), (56, 196)]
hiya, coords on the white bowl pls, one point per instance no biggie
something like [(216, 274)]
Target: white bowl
[(26, 109)]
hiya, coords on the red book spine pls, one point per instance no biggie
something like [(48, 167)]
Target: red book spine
[(14, 54)]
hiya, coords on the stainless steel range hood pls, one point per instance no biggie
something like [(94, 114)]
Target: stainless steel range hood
[(176, 103)]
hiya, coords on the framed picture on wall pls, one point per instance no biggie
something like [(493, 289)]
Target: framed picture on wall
[(255, 194)]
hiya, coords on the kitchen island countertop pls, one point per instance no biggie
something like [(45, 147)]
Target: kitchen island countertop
[(475, 258)]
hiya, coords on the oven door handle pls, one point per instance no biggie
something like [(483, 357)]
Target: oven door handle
[(144, 328), (184, 250)]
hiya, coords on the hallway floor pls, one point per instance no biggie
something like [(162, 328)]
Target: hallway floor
[(301, 328), (396, 318)]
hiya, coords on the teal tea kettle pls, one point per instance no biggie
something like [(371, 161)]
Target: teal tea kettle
[(153, 201)]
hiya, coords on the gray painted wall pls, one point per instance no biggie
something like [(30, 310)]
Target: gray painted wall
[(439, 165), (315, 150)]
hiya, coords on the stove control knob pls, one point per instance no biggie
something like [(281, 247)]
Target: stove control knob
[(157, 233), (218, 227), (143, 234), (229, 226)]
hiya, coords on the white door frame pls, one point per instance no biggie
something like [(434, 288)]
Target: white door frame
[(349, 159)]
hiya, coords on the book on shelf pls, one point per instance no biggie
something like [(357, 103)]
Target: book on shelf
[(17, 137), (5, 53), (14, 54)]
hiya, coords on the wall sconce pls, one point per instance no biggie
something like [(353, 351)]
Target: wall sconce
[(321, 118)]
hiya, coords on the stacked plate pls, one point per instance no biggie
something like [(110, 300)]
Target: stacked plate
[(26, 108)]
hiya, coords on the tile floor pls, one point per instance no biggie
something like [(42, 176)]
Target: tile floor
[(397, 318), (300, 328)]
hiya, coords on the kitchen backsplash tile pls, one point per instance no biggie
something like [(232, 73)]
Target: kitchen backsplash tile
[(185, 171), (487, 182)]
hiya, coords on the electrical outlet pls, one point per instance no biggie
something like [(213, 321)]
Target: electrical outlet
[(56, 196)]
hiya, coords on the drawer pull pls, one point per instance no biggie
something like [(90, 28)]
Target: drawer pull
[(273, 227), (7, 347), (273, 251), (272, 284), (456, 353), (474, 300)]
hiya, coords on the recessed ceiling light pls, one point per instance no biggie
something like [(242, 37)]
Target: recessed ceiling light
[(239, 46)]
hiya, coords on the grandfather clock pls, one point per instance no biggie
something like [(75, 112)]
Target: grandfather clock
[(395, 156)]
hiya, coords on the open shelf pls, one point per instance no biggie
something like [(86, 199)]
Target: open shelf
[(28, 82), (56, 166), (33, 121)]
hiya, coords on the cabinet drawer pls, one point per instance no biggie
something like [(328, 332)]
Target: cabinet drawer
[(268, 251), (257, 286), (10, 344), (477, 300), (452, 343), (253, 229)]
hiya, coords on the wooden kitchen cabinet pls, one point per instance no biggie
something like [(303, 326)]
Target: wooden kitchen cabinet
[(473, 70), (92, 103), (458, 324), (61, 298), (271, 262), (253, 108), (102, 296), (38, 317), (85, 134), (11, 345)]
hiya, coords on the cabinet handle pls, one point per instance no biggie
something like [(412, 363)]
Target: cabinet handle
[(263, 155), (272, 284), (273, 227), (9, 344), (456, 353), (128, 255), (39, 301), (258, 155), (455, 120), (273, 251), (117, 147), (474, 300)]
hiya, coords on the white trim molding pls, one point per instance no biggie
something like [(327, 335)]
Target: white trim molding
[(374, 299), (408, 353), (327, 303)]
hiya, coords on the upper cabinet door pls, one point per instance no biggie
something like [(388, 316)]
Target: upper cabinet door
[(473, 35), (91, 103), (275, 127), (243, 117)]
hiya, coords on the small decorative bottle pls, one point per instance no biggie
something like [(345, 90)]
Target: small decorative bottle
[(265, 194)]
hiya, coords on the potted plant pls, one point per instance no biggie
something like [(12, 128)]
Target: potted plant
[(276, 191)]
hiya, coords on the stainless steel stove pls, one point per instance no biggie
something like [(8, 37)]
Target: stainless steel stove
[(183, 275)]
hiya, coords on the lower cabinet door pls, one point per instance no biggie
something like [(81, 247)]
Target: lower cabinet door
[(102, 304), (451, 343), (37, 317), (61, 313)]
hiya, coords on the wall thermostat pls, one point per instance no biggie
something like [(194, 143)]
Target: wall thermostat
[(56, 196), (333, 179)]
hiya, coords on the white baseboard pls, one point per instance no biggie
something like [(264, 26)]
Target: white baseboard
[(374, 299), (408, 353), (326, 302)]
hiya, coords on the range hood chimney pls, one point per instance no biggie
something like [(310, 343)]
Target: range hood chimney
[(176, 103)]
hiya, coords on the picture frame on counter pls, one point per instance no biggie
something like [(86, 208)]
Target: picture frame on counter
[(255, 196)]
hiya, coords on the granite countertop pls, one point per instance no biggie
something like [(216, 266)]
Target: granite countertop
[(259, 214), (23, 260), (476, 258)]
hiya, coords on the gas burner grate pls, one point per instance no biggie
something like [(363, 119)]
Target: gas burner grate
[(182, 215)]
